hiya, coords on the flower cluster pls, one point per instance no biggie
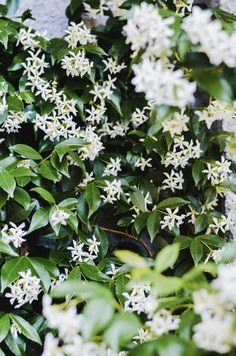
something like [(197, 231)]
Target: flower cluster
[(13, 234), (25, 290), (218, 45), (80, 253)]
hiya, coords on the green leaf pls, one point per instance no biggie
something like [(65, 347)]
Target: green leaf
[(39, 219), (41, 272), (122, 329), (44, 194), (140, 221), (97, 313), (169, 345), (5, 248), (22, 197), (22, 172), (93, 273), (48, 172), (7, 182), (167, 257), (196, 250), (26, 329), (26, 151), (92, 197), (10, 270), (91, 48), (153, 224), (213, 240), (172, 203), (14, 103), (101, 236), (74, 5), (85, 290), (68, 203), (201, 223), (4, 326), (167, 285), (138, 200), (213, 83), (131, 259), (59, 48), (197, 168)]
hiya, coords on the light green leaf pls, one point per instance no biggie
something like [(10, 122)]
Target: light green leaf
[(122, 329), (97, 313), (131, 259), (167, 257)]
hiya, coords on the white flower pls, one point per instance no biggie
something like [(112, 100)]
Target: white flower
[(109, 352), (218, 45), (27, 38), (76, 64), (113, 167), (163, 322), (215, 334), (112, 66), (67, 321), (221, 224), (119, 129), (225, 282), (59, 216), (3, 105), (217, 255), (182, 6), (61, 278), (143, 163), (208, 304), (50, 347), (143, 336), (217, 110), (13, 234), (114, 6), (93, 246), (113, 191), (35, 64), (136, 300), (182, 152), (218, 171), (173, 181), (87, 179), (171, 219), (79, 33), (15, 330), (25, 289), (96, 114), (77, 252), (147, 29), (177, 124), (162, 84), (13, 121), (139, 117)]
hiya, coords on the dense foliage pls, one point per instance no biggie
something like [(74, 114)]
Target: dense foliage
[(113, 173)]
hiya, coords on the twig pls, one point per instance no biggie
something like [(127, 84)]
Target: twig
[(143, 243)]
